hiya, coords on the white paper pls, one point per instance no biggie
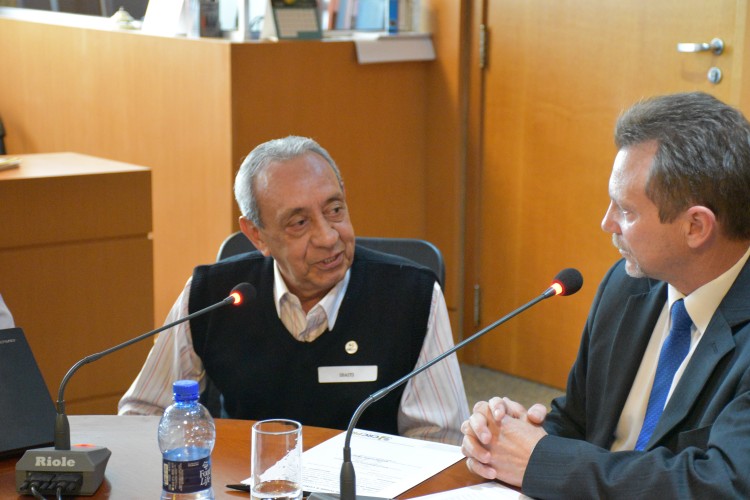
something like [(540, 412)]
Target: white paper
[(395, 48), (495, 491), (166, 17), (385, 465)]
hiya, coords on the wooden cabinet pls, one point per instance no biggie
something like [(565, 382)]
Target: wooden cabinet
[(76, 269), (192, 109)]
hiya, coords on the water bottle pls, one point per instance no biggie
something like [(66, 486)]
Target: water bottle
[(186, 439)]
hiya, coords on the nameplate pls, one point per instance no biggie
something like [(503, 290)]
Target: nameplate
[(347, 374)]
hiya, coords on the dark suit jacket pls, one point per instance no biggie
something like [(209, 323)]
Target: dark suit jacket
[(701, 446)]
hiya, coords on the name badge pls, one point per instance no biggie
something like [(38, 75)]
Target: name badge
[(347, 374)]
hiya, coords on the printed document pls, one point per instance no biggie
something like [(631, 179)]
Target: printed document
[(385, 465)]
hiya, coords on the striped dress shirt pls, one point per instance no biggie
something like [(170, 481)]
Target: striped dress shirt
[(433, 404)]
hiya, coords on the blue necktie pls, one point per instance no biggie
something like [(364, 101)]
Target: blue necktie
[(672, 354)]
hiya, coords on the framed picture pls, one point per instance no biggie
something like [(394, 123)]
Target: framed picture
[(296, 19)]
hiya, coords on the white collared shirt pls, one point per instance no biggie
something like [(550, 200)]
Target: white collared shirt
[(433, 404), (307, 327), (701, 306), (6, 320)]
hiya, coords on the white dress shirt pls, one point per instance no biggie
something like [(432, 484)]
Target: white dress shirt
[(701, 306), (433, 404), (6, 319)]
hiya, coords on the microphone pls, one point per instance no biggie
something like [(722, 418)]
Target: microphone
[(566, 282), (80, 470)]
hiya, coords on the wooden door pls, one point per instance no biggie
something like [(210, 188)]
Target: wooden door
[(557, 75)]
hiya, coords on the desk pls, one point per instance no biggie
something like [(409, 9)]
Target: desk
[(134, 469)]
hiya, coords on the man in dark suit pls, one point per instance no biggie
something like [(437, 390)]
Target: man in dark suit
[(628, 427)]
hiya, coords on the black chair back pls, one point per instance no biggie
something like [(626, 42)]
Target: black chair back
[(420, 251)]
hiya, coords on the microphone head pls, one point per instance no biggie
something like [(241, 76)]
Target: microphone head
[(243, 292), (567, 282)]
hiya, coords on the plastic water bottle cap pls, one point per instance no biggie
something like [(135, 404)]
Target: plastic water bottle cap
[(185, 390)]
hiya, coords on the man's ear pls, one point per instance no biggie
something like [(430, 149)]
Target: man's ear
[(252, 232), (701, 226)]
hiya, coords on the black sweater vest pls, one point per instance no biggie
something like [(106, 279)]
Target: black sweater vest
[(263, 372)]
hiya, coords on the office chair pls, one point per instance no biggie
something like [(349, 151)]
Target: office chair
[(420, 251)]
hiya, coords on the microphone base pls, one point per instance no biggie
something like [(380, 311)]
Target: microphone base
[(79, 470), (335, 496)]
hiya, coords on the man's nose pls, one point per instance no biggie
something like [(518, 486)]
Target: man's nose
[(324, 233), (609, 224)]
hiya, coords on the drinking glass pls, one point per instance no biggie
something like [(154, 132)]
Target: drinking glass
[(276, 460)]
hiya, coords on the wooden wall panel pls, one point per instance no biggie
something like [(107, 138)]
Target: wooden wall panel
[(76, 299), (548, 111), (445, 151), (369, 117), (192, 109), (154, 101)]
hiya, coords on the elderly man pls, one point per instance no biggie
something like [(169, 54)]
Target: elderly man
[(324, 306), (658, 400)]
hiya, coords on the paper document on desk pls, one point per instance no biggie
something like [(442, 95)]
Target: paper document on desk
[(493, 490), (385, 465)]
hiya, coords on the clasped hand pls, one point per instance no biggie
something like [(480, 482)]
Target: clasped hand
[(499, 437)]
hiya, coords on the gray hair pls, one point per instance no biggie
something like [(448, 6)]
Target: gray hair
[(277, 150), (702, 158)]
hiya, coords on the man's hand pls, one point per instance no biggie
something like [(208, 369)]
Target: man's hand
[(499, 437), (536, 414)]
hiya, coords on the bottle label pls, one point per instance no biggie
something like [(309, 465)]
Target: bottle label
[(186, 476)]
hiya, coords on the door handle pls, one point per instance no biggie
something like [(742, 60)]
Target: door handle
[(716, 46)]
